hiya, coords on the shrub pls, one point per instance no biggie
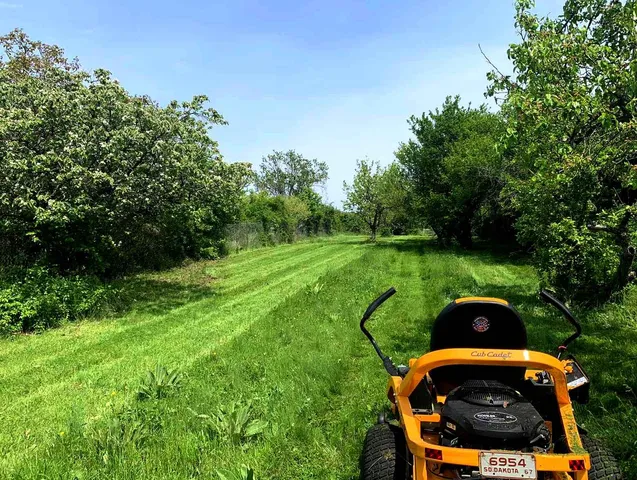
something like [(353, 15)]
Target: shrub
[(239, 473), (281, 217), (233, 423), (34, 299), (95, 180), (159, 383)]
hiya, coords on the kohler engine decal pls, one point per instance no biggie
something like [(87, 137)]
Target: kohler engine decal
[(495, 417)]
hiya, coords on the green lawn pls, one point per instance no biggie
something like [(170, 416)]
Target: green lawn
[(275, 330)]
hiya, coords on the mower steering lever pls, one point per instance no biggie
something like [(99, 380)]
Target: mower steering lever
[(387, 363), (549, 297), (377, 303)]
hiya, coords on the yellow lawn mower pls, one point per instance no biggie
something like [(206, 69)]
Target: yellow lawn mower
[(480, 405)]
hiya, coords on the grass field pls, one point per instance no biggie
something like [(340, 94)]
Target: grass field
[(268, 341)]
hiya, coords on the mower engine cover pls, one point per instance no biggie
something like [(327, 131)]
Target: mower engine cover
[(486, 414)]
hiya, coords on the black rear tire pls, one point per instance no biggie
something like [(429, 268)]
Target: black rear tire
[(384, 454), (603, 463)]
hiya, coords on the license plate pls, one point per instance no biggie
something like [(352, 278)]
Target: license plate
[(507, 465)]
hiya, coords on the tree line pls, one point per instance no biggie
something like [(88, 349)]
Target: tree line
[(97, 183), (554, 170)]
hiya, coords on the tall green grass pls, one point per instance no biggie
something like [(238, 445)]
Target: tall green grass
[(273, 372)]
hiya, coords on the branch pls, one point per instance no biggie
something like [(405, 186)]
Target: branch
[(600, 228), (490, 62)]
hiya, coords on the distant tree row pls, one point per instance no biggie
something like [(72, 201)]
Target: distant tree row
[(378, 197), (284, 200)]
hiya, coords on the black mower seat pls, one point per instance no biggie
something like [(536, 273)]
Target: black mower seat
[(481, 323)]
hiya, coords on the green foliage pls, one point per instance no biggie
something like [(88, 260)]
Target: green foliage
[(159, 383), (97, 180), (288, 351), (289, 174), (34, 299), (106, 442), (571, 108), (280, 216), (24, 58), (376, 195), (115, 437), (240, 473), (321, 218), (351, 222), (454, 169), (215, 252), (284, 218), (121, 433), (286, 204), (233, 424)]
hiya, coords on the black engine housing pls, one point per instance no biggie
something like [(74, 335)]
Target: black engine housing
[(486, 414)]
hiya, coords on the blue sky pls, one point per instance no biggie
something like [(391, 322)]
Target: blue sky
[(334, 80)]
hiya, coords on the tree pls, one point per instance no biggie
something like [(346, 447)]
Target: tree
[(21, 58), (289, 173), (572, 131), (280, 216), (453, 167), (375, 194), (95, 180)]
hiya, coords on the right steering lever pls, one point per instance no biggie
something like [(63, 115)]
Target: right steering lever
[(549, 297)]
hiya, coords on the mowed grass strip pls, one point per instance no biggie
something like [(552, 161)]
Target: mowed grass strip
[(289, 349), (94, 365)]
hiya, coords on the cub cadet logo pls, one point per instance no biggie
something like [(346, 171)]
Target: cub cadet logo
[(482, 353)]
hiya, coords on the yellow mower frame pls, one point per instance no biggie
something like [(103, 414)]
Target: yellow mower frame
[(430, 456), (427, 454)]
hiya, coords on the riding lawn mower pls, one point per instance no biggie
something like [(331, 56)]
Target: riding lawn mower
[(480, 405)]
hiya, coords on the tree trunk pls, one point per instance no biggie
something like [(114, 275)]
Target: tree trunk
[(378, 215), (463, 234), (624, 270), (373, 226), (621, 234)]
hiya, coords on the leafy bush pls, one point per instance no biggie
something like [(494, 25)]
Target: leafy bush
[(572, 130), (95, 180), (233, 423), (282, 217), (159, 383), (34, 299), (454, 169), (214, 252), (239, 473)]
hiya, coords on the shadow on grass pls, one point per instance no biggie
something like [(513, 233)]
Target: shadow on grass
[(480, 250), (154, 295), (159, 292)]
